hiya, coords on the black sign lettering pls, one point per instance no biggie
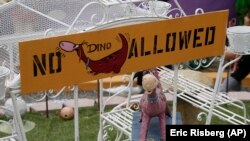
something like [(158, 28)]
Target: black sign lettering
[(40, 65), (133, 50), (210, 33), (155, 44), (142, 46), (184, 39), (197, 37), (168, 41), (92, 48)]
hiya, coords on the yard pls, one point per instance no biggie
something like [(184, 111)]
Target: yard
[(56, 129)]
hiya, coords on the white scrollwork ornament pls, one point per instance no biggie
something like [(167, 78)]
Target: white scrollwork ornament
[(199, 116), (199, 11)]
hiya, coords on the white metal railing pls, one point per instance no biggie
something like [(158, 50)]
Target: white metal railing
[(201, 96), (120, 117), (147, 10)]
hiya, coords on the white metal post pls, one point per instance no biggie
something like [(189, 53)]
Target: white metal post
[(17, 118), (76, 117), (131, 83), (216, 89), (218, 83), (175, 93), (101, 109)]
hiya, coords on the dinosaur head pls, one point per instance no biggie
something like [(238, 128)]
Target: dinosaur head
[(149, 83), (68, 46)]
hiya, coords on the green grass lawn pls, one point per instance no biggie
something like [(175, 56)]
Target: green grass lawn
[(56, 129)]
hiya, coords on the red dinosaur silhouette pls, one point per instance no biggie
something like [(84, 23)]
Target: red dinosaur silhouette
[(112, 62)]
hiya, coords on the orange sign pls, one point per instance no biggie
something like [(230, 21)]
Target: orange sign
[(76, 58)]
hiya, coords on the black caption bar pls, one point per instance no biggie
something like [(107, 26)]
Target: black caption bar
[(210, 132)]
